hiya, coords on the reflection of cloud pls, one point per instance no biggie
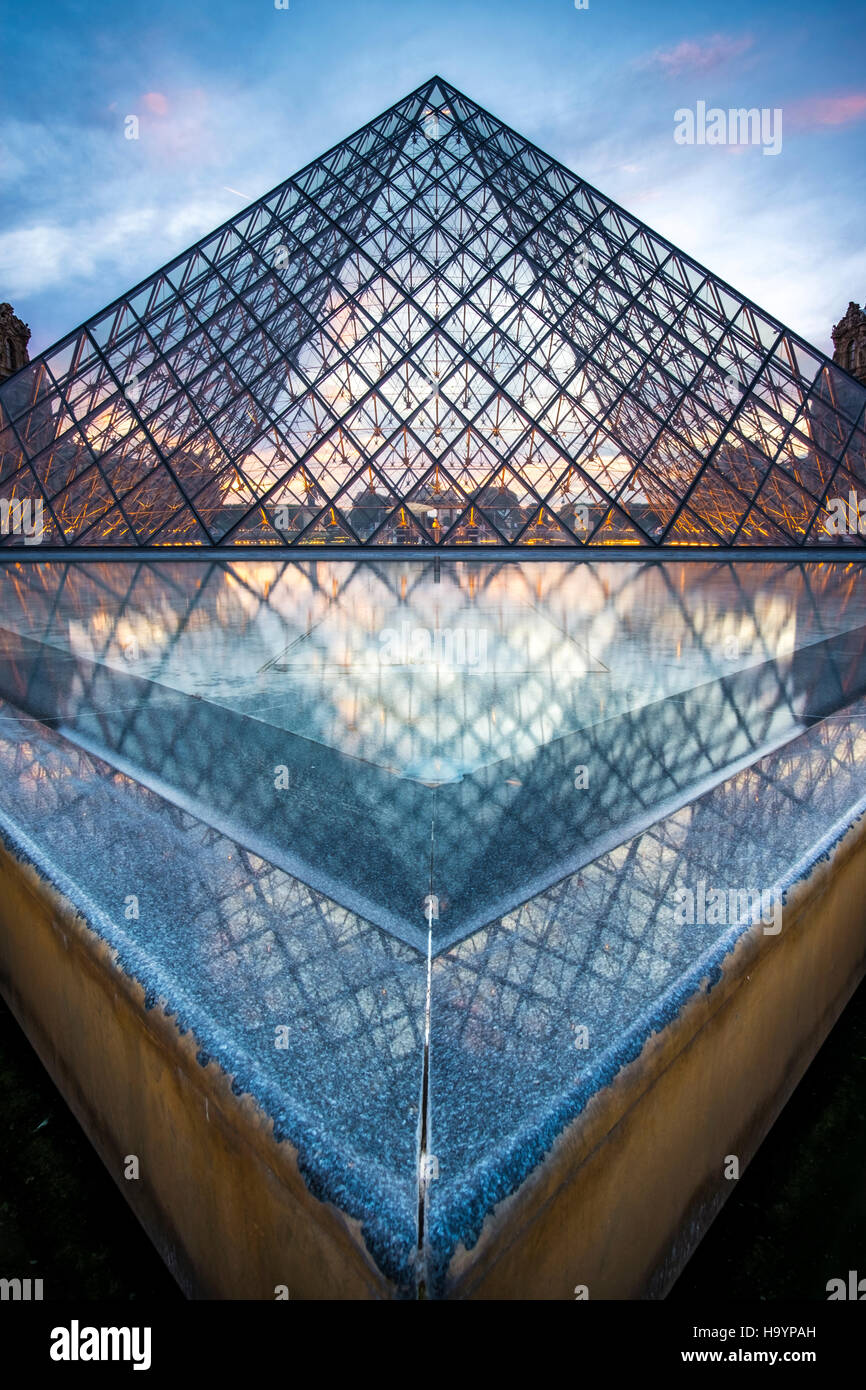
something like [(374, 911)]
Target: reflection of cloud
[(697, 55), (838, 109)]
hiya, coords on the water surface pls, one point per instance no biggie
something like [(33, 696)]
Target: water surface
[(431, 738)]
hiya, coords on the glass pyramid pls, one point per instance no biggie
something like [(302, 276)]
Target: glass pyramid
[(433, 335)]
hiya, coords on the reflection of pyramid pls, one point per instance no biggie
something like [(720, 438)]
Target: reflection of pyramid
[(163, 670), (433, 334)]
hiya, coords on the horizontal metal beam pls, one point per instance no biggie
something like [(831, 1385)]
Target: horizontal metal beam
[(304, 554)]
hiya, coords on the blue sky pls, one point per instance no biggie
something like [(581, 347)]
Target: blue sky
[(232, 96)]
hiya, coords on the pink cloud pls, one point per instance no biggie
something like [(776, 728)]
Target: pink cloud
[(189, 135), (697, 55), (829, 110)]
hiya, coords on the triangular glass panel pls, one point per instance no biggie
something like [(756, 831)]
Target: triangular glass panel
[(616, 529), (545, 528), (688, 529), (401, 528), (255, 529), (757, 529)]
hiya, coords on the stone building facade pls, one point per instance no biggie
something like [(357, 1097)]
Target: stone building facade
[(14, 337), (849, 342)]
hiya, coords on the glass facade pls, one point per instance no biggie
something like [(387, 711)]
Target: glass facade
[(433, 335)]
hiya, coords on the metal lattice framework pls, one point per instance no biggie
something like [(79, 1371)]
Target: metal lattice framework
[(433, 335)]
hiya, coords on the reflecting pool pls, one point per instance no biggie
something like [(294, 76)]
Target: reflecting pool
[(430, 742)]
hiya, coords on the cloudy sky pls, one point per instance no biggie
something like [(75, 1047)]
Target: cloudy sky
[(232, 96)]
